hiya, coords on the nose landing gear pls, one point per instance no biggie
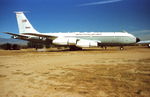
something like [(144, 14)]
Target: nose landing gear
[(121, 48)]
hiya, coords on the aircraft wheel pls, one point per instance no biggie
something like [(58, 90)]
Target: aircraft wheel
[(121, 48), (149, 45)]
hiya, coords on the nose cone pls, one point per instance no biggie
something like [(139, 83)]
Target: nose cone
[(137, 39)]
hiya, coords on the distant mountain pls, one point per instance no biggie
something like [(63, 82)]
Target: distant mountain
[(12, 41)]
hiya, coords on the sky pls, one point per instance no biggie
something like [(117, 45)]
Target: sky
[(78, 15)]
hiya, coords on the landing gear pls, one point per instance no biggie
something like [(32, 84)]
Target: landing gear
[(74, 48), (148, 45), (42, 49), (104, 47), (121, 48)]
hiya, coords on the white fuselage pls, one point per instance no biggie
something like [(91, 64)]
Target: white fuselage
[(103, 37)]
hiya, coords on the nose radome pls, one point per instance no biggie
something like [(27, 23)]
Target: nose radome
[(137, 39)]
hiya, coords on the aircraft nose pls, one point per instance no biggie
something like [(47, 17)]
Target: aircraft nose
[(138, 39)]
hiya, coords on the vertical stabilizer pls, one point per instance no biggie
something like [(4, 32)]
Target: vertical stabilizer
[(23, 24)]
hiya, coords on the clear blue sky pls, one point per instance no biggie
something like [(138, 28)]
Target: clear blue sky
[(78, 15)]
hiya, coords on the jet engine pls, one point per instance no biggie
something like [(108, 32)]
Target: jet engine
[(86, 43), (42, 38), (14, 37), (65, 41)]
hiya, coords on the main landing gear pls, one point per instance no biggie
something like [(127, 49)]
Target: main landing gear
[(104, 47), (148, 45), (74, 48)]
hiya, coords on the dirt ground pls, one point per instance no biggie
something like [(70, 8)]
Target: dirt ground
[(88, 73)]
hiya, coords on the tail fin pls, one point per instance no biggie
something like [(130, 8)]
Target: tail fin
[(23, 24)]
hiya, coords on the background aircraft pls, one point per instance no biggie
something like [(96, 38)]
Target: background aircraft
[(146, 42), (73, 40)]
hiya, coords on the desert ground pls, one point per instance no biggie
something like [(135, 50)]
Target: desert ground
[(89, 73)]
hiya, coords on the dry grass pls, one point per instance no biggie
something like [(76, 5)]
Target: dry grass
[(87, 73)]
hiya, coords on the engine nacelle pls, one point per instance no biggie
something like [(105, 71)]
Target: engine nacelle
[(42, 38), (86, 43), (14, 37), (65, 41)]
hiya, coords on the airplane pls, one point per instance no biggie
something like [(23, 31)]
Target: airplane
[(145, 42), (73, 40)]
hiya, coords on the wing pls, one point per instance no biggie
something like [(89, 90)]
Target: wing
[(41, 35), (15, 34), (26, 35)]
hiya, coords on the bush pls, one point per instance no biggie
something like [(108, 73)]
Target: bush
[(9, 46)]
